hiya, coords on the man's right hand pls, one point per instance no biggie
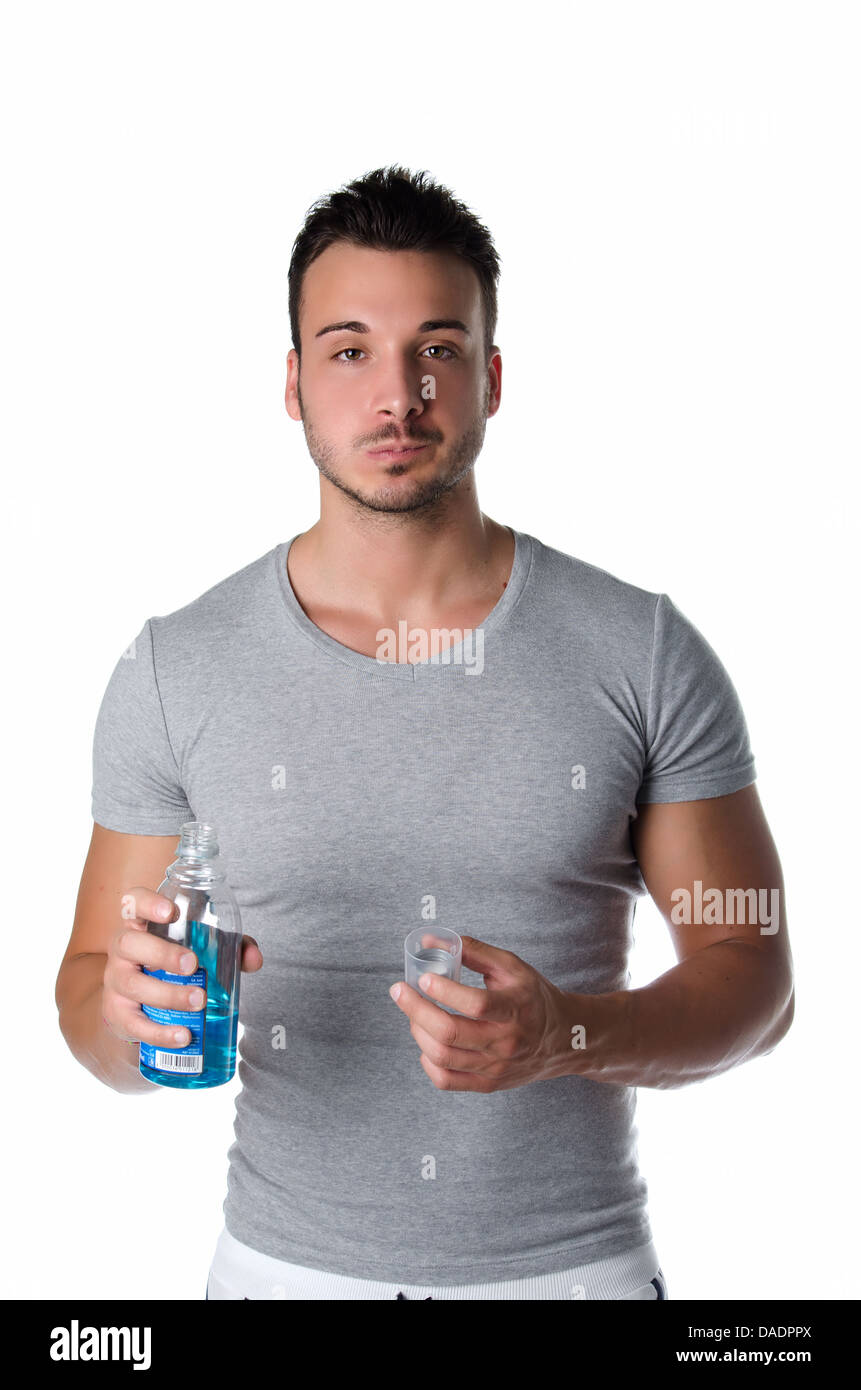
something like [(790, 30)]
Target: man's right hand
[(126, 987)]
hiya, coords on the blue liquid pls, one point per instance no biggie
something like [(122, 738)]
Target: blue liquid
[(219, 953)]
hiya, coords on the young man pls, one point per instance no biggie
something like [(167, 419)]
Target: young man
[(407, 715)]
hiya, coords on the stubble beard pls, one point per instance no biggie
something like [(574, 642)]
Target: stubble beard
[(425, 496)]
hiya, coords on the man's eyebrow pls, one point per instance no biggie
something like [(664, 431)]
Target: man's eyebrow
[(429, 326)]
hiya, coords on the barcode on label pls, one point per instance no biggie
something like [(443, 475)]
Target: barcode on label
[(172, 1061)]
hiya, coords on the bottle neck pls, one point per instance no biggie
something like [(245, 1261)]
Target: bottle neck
[(198, 840), (197, 863), (195, 873)]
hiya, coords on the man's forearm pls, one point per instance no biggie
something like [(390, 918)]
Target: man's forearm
[(110, 1059), (720, 1006)]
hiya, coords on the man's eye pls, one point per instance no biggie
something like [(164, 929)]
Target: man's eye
[(436, 347)]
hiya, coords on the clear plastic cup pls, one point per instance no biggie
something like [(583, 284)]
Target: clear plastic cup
[(432, 951)]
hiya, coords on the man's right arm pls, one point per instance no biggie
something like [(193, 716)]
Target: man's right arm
[(115, 863)]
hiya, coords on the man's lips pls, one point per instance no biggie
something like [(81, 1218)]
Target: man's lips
[(394, 451)]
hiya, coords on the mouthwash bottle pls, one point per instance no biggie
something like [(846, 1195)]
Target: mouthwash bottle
[(208, 924)]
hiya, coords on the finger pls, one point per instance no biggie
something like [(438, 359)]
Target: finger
[(499, 966), (136, 947), (491, 1005), (455, 1080), (143, 905), (129, 983), (446, 1028), (446, 1057), (131, 1025)]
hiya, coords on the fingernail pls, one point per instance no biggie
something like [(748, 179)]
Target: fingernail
[(425, 981), (186, 963), (395, 991)]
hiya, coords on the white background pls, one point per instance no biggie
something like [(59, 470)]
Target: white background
[(673, 191)]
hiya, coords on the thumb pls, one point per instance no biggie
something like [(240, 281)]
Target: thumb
[(249, 947)]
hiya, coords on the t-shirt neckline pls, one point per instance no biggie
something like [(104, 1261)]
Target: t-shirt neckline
[(445, 663)]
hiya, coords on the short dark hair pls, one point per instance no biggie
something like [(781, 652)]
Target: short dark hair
[(394, 210)]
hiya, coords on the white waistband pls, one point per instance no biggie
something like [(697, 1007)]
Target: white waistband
[(254, 1275)]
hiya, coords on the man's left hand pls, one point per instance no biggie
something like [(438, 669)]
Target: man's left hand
[(512, 1032)]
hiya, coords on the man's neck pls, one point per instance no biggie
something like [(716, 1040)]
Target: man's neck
[(355, 570), (382, 567)]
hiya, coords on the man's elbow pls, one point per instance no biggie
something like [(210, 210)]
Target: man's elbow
[(781, 1027)]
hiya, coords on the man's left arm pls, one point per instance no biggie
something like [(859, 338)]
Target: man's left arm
[(731, 997)]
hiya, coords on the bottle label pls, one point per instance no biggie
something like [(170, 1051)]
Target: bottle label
[(188, 1059)]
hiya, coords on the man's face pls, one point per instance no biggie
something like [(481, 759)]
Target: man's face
[(366, 386)]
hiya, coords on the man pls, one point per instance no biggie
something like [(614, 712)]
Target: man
[(411, 714)]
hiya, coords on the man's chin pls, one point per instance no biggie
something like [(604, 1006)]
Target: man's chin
[(401, 494), (394, 499)]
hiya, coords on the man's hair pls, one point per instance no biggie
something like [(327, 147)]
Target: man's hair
[(394, 210)]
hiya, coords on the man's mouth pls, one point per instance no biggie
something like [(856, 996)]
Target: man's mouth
[(394, 454)]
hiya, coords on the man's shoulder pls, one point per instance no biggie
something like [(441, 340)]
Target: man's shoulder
[(589, 590), (226, 606)]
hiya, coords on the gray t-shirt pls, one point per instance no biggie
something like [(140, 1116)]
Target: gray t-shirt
[(354, 799)]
